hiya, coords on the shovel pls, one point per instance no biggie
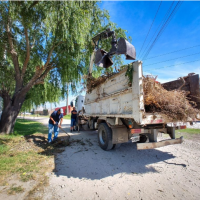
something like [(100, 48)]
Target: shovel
[(65, 132)]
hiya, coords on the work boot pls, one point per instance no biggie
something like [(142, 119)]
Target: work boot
[(71, 131)]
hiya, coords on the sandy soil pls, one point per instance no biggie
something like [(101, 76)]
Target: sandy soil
[(84, 171)]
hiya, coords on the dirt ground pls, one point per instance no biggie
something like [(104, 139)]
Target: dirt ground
[(84, 171)]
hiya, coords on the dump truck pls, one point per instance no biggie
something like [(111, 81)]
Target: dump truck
[(117, 110)]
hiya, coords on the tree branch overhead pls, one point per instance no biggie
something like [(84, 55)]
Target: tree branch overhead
[(27, 54), (14, 56)]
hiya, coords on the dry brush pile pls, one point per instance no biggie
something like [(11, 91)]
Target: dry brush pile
[(175, 104), (92, 82)]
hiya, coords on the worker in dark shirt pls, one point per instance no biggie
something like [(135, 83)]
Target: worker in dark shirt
[(73, 119), (54, 125)]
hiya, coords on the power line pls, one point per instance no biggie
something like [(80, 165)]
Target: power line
[(149, 29), (171, 65), (164, 18), (161, 30), (172, 52), (174, 59), (163, 27)]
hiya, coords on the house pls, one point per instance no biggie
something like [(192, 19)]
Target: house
[(65, 109)]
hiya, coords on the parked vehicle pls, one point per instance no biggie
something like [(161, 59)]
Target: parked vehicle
[(117, 111)]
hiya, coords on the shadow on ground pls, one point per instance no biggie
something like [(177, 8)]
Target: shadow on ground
[(39, 140), (83, 158), (44, 148)]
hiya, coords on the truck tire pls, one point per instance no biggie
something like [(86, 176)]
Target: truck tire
[(105, 137), (116, 146)]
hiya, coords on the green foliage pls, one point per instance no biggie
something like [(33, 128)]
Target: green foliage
[(106, 45), (129, 74), (61, 30)]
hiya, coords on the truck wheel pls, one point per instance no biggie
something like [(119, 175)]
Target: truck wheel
[(116, 146), (143, 139), (105, 136)]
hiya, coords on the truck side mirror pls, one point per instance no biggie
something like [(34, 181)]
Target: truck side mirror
[(71, 104)]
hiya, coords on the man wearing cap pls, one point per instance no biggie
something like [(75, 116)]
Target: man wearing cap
[(55, 117)]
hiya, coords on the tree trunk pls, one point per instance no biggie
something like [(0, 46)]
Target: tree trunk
[(67, 98), (10, 112)]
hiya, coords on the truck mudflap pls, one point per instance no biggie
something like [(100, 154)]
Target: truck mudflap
[(153, 145)]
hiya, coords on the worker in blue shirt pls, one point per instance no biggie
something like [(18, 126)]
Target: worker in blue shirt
[(54, 125)]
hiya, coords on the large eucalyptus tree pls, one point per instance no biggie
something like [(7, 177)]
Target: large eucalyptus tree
[(46, 43)]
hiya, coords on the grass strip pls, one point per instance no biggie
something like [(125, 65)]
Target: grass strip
[(26, 127), (67, 116), (26, 151), (15, 189), (189, 131)]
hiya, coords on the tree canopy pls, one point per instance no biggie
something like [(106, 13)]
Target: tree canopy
[(44, 45)]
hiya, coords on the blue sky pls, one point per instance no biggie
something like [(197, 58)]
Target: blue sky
[(182, 32)]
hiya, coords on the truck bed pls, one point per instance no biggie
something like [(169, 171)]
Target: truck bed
[(115, 98)]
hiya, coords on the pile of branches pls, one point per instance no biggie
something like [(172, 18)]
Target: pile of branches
[(95, 82), (174, 105)]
